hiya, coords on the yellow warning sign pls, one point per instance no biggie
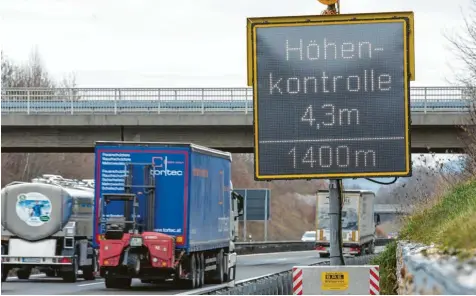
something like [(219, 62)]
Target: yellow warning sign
[(336, 281)]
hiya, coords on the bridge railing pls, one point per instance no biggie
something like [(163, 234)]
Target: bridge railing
[(186, 100)]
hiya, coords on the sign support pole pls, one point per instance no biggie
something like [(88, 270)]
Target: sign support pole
[(266, 216), (335, 207), (244, 215), (335, 212)]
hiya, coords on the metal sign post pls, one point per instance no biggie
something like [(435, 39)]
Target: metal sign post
[(335, 208), (266, 216), (256, 202), (335, 212), (244, 216)]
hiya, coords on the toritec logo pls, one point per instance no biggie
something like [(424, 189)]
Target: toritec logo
[(160, 167)]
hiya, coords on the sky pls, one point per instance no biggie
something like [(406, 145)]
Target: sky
[(188, 43)]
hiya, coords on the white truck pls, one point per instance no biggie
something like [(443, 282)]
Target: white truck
[(358, 226), (47, 227)]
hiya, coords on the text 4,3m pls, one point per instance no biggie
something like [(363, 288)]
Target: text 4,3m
[(334, 116), (333, 156)]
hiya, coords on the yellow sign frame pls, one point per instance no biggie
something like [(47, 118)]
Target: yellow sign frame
[(359, 18), (405, 18)]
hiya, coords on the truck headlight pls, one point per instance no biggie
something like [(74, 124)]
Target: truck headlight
[(136, 241)]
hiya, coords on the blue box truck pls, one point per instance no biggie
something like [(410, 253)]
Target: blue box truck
[(164, 211)]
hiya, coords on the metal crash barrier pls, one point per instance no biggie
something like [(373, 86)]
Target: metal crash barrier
[(280, 283)]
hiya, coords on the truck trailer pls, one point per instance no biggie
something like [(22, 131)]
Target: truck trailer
[(358, 226), (165, 211), (48, 227)]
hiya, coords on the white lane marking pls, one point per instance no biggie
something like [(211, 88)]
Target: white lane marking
[(90, 284)]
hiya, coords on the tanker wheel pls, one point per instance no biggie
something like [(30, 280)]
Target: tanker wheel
[(71, 276), (51, 273), (4, 273), (23, 273)]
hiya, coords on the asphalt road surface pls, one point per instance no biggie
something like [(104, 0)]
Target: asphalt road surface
[(249, 266)]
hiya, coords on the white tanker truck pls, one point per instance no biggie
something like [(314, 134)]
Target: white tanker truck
[(47, 227)]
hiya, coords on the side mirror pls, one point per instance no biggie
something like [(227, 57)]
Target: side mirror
[(377, 219), (240, 202)]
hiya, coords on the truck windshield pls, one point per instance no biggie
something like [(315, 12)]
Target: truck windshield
[(350, 218)]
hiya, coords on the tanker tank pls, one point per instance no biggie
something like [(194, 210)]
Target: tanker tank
[(34, 211)]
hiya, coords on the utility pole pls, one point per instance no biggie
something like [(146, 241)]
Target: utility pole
[(335, 194)]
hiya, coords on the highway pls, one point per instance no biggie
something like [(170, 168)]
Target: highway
[(249, 266)]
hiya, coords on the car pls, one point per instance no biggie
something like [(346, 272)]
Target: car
[(309, 236), (393, 235)]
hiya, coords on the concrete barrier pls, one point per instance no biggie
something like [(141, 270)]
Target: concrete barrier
[(243, 248), (424, 269)]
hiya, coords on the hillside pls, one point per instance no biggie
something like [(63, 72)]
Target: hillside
[(448, 222), (292, 209)]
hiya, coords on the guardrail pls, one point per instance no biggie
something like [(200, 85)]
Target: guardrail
[(279, 283), (185, 100), (243, 248), (422, 270)]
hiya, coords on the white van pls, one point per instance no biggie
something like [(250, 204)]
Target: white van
[(309, 236)]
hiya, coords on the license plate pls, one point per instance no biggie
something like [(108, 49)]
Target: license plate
[(31, 260), (136, 241)]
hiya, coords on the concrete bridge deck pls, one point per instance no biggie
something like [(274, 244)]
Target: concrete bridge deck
[(71, 120)]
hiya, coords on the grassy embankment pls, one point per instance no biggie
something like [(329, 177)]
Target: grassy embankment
[(450, 224)]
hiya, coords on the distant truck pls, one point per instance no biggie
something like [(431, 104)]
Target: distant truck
[(165, 211), (49, 227), (358, 226)]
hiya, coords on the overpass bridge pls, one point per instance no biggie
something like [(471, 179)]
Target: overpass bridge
[(71, 120), (392, 209)]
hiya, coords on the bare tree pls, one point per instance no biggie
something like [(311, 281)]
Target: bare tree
[(463, 44), (25, 166)]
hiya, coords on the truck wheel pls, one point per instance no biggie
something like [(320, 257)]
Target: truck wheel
[(201, 270), (372, 247), (114, 283), (220, 276), (226, 274), (324, 255), (23, 273), (192, 283), (89, 271), (133, 262), (125, 283)]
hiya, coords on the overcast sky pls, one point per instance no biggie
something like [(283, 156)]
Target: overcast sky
[(187, 43)]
